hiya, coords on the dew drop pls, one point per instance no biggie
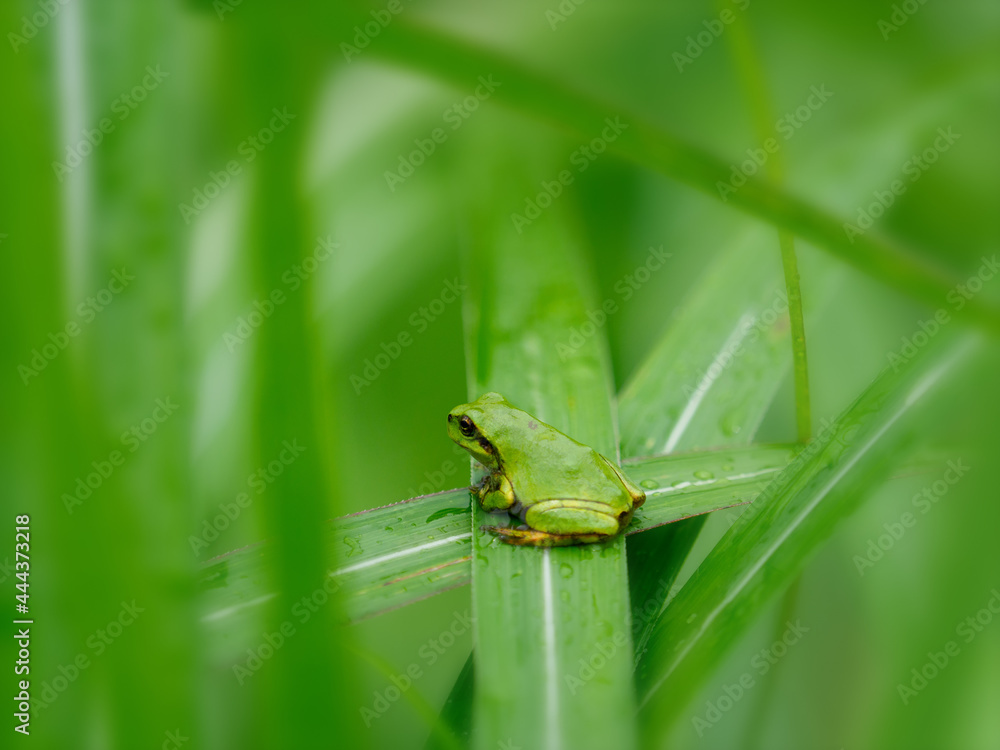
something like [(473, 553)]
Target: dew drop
[(692, 618), (649, 484), (731, 425), (566, 571), (702, 474), (353, 545), (564, 595), (445, 512), (388, 528)]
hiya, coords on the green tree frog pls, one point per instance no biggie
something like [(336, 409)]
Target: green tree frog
[(564, 492)]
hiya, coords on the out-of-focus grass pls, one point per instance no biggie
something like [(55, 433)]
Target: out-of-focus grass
[(163, 336)]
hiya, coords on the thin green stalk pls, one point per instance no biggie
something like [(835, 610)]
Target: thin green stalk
[(751, 74), (459, 62), (803, 398)]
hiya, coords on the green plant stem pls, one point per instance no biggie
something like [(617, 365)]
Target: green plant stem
[(751, 73), (460, 63), (803, 398)]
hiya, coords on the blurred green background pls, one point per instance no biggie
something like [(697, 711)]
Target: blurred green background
[(232, 157)]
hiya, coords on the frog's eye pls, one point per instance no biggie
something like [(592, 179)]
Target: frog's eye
[(466, 427)]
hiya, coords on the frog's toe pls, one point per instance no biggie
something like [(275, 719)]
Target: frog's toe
[(535, 538)]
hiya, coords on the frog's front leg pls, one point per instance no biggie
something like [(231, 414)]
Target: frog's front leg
[(496, 493)]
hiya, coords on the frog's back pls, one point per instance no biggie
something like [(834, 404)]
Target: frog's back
[(555, 466)]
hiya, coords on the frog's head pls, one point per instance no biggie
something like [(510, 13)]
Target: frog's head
[(470, 425)]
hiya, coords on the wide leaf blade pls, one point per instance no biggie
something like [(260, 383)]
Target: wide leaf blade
[(769, 544), (398, 554)]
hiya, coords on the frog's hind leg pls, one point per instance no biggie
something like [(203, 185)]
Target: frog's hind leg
[(533, 538), (560, 523), (637, 493)]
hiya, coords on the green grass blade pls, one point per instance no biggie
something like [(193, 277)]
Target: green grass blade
[(750, 71), (456, 715), (710, 384), (460, 62), (765, 549), (705, 384), (679, 487), (751, 74), (398, 554), (526, 293), (307, 690)]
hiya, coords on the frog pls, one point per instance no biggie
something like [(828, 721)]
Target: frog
[(564, 492)]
